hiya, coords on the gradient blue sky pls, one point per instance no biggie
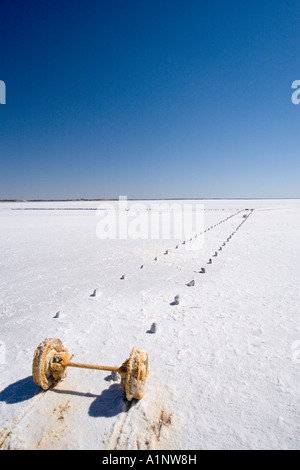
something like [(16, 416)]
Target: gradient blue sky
[(149, 99)]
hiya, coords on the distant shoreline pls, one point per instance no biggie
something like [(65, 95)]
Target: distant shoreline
[(156, 199)]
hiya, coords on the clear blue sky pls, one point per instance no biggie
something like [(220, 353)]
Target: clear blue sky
[(149, 99)]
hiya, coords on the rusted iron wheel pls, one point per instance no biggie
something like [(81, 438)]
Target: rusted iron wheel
[(47, 368), (134, 374)]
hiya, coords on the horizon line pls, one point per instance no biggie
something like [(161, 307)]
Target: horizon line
[(148, 199)]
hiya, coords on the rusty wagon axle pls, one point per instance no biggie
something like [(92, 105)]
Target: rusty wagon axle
[(51, 360)]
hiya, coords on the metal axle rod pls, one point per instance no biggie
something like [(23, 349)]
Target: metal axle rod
[(92, 366)]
